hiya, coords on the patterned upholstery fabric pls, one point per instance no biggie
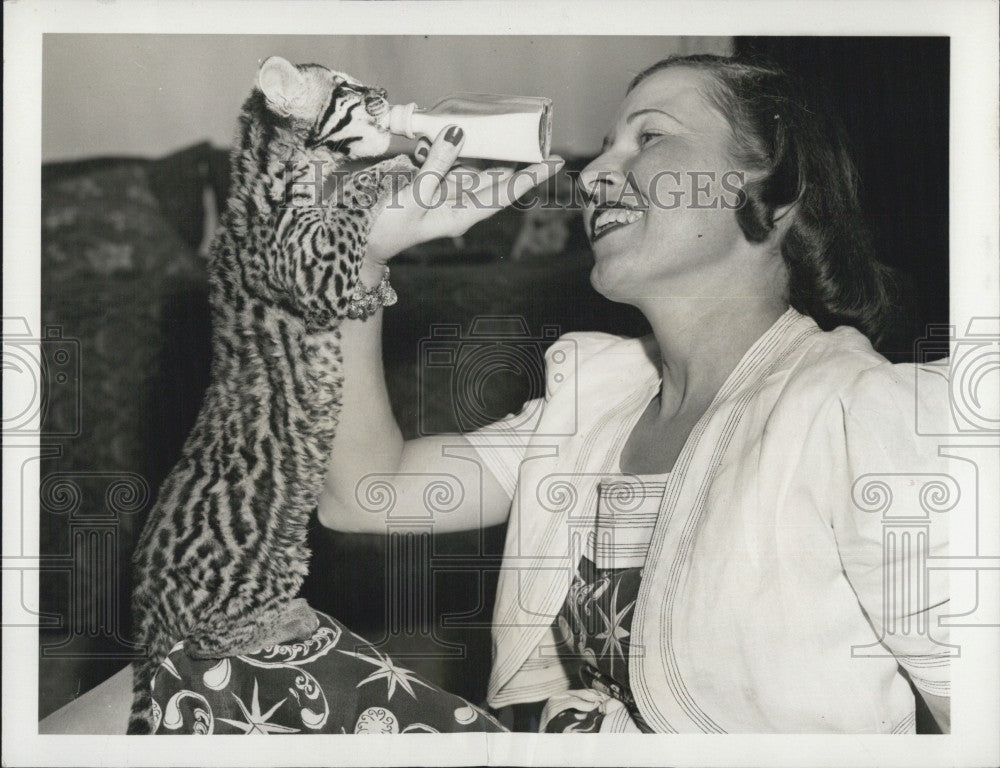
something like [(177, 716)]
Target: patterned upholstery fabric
[(111, 266)]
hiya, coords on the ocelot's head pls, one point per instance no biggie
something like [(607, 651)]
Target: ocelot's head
[(326, 109)]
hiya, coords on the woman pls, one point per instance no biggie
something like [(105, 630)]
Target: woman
[(688, 546)]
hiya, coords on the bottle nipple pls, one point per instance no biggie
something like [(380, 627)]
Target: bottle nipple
[(400, 118)]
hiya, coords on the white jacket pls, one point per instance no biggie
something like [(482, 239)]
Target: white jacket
[(785, 578)]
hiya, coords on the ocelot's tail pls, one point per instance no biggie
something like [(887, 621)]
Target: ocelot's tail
[(140, 720)]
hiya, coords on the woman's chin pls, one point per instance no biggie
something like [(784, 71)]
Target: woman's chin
[(602, 280)]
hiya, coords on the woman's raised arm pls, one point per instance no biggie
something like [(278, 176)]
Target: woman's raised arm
[(369, 442)]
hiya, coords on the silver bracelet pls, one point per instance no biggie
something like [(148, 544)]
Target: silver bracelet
[(365, 301)]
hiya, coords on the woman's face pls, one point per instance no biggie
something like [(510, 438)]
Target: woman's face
[(660, 217)]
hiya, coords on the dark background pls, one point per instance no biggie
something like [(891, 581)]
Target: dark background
[(145, 355), (891, 94)]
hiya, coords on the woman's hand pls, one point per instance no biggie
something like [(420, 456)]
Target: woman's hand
[(445, 200)]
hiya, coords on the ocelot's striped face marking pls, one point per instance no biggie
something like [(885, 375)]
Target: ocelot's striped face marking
[(333, 110)]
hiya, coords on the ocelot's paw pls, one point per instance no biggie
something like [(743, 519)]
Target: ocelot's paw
[(295, 624), (374, 186), (299, 622)]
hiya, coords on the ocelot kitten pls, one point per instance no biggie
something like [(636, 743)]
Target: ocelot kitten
[(223, 554)]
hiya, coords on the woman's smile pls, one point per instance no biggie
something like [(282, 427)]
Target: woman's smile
[(609, 218)]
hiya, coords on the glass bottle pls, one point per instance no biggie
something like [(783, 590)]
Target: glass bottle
[(507, 128)]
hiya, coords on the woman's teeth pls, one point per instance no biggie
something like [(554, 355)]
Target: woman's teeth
[(610, 218)]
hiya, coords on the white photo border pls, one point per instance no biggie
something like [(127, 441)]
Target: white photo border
[(975, 192)]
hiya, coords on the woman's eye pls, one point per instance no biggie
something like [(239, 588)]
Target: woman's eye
[(647, 136)]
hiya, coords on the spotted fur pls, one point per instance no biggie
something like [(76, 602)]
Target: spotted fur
[(223, 553)]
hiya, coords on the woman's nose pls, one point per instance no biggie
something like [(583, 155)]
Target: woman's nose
[(600, 180)]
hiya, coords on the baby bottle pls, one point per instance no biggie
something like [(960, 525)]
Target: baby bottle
[(508, 128)]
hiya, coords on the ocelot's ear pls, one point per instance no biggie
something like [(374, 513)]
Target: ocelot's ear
[(281, 83)]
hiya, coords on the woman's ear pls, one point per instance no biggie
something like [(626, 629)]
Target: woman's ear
[(783, 217), (281, 82)]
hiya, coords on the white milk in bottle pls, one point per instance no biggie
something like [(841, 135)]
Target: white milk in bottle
[(507, 128)]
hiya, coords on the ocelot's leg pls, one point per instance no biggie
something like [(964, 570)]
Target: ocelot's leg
[(328, 245)]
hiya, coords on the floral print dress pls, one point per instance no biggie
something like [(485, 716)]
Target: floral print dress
[(335, 682)]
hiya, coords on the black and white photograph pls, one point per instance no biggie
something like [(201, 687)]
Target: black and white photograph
[(552, 383)]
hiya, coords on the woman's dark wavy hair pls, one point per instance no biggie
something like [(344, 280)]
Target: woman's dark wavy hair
[(801, 149)]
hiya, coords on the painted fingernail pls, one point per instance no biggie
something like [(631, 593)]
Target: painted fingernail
[(453, 135), (421, 153)]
